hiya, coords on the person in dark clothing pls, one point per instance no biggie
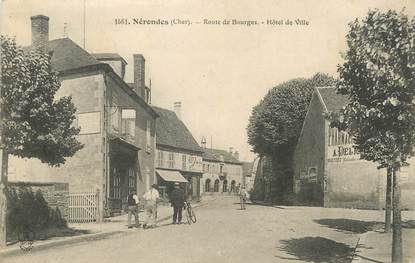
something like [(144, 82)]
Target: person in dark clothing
[(177, 202), (132, 203)]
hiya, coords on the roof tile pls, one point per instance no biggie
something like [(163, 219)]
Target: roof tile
[(171, 131), (334, 102)]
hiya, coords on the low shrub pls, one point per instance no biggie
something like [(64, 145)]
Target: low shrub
[(29, 211)]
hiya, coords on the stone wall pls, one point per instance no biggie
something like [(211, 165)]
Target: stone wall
[(55, 194), (310, 154)]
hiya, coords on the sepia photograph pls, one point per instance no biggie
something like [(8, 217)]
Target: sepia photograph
[(207, 131)]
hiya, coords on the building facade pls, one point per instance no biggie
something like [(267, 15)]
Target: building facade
[(222, 171), (248, 174), (328, 170), (117, 125), (179, 157)]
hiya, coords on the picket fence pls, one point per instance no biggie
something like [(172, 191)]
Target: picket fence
[(83, 206)]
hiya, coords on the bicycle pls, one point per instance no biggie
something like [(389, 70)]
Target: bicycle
[(190, 214)]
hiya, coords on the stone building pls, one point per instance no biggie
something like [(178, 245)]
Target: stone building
[(222, 171), (328, 171), (117, 124), (248, 173), (264, 185), (179, 157)]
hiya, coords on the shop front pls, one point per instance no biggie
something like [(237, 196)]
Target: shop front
[(123, 174)]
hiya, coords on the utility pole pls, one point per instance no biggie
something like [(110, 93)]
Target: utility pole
[(3, 171), (84, 23)]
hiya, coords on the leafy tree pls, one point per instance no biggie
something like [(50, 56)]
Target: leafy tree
[(33, 124), (378, 75), (276, 122)]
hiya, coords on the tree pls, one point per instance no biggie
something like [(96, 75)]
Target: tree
[(34, 123), (378, 76), (275, 124)]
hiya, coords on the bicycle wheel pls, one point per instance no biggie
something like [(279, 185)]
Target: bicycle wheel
[(192, 215), (188, 216)]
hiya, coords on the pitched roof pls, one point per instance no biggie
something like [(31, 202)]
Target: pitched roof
[(109, 56), (68, 55), (333, 101), (218, 155), (172, 132)]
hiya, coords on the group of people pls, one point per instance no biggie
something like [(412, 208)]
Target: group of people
[(150, 198)]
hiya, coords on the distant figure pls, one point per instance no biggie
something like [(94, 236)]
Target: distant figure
[(242, 197), (151, 197), (177, 202), (132, 202)]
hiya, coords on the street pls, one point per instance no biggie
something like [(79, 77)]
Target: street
[(224, 233)]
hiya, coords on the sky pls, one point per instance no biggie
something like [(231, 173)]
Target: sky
[(218, 72)]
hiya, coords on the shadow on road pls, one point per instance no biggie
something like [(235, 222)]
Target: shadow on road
[(260, 204), (317, 249), (350, 225)]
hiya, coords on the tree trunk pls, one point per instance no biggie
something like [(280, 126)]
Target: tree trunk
[(388, 204), (3, 200), (397, 228)]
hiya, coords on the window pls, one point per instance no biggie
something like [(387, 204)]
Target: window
[(148, 136), (233, 188), (131, 179), (114, 114), (116, 182), (225, 186), (128, 123), (312, 174), (170, 162), (184, 160), (160, 161), (216, 186), (207, 185)]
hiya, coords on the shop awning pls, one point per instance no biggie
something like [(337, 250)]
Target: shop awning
[(171, 176)]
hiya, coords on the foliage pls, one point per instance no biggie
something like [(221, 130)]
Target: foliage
[(378, 75), (36, 123), (276, 122), (29, 211)]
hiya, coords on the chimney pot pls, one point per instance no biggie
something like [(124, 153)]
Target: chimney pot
[(139, 74), (40, 31), (178, 109)]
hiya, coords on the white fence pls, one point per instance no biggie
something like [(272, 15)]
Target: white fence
[(83, 206)]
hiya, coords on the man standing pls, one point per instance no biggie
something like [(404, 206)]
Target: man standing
[(150, 198), (177, 201), (242, 197), (132, 202)]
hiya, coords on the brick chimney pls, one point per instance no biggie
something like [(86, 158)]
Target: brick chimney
[(139, 75), (40, 31), (178, 109), (231, 150)]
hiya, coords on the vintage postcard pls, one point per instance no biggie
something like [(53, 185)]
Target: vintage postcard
[(207, 131)]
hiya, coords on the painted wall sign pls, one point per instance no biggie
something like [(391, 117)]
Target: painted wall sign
[(89, 122), (340, 153)]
